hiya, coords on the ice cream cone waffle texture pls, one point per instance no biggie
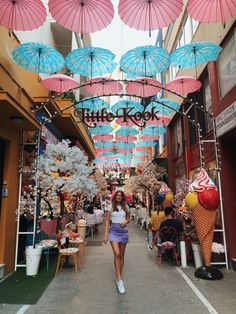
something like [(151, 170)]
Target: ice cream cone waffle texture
[(204, 221)]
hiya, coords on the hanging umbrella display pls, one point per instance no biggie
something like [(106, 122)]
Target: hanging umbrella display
[(139, 157), (129, 104), (60, 83), (140, 154), (124, 151), (104, 150), (195, 53), (145, 61), (163, 120), (126, 138), (163, 106), (153, 130), (106, 137), (38, 58), (94, 104), (141, 148), (103, 145), (127, 131), (22, 15), (211, 11), (125, 145), (184, 85), (107, 154), (100, 86), (91, 61), (101, 129), (143, 87), (84, 16), (145, 144), (149, 138), (149, 15), (125, 156)]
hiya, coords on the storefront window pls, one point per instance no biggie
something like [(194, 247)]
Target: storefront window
[(178, 139), (207, 101), (227, 66)]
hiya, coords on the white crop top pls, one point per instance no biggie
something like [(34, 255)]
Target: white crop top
[(117, 217)]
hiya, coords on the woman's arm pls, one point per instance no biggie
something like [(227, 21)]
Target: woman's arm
[(107, 225)]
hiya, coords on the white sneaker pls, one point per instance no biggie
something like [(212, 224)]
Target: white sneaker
[(120, 286)]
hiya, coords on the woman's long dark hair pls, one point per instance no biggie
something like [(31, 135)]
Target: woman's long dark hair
[(122, 204)]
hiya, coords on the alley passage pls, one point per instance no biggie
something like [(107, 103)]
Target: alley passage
[(149, 288)]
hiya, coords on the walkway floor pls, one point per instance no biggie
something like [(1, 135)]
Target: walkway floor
[(151, 289)]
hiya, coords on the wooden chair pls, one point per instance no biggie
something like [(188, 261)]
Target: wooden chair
[(66, 253), (168, 237), (78, 243)]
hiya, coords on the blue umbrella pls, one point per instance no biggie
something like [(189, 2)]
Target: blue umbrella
[(101, 129), (145, 143), (97, 160), (126, 131), (193, 54), (145, 61), (125, 156), (103, 144), (152, 130), (94, 104), (167, 107), (91, 61), (125, 145), (38, 58), (108, 154), (140, 153), (128, 103)]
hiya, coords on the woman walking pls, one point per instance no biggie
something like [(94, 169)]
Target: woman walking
[(118, 215)]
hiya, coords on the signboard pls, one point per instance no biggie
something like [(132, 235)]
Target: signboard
[(226, 120), (90, 118)]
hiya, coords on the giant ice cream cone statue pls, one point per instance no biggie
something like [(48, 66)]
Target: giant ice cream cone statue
[(203, 199), (166, 196)]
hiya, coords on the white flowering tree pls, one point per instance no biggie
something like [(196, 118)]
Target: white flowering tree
[(61, 170), (101, 184)]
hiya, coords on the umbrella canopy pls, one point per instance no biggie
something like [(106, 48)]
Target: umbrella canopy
[(22, 15), (91, 61), (184, 85), (127, 131), (141, 148), (149, 15), (166, 106), (145, 144), (106, 154), (126, 138), (125, 145), (38, 58), (145, 61), (139, 157), (127, 103), (143, 87), (104, 150), (84, 16), (121, 122), (125, 156), (60, 83), (106, 137), (193, 54), (101, 129), (100, 86), (211, 11), (94, 104), (103, 145), (163, 120), (124, 151), (153, 130), (140, 154), (149, 138)]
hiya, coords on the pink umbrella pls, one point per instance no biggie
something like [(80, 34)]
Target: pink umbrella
[(149, 138), (22, 15), (141, 149), (100, 86), (123, 151), (120, 122), (184, 85), (84, 16), (211, 11), (149, 15), (106, 137), (60, 83), (103, 150), (140, 157), (126, 138), (143, 87), (163, 120)]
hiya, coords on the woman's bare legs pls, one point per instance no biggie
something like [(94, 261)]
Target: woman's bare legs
[(117, 261), (122, 255)]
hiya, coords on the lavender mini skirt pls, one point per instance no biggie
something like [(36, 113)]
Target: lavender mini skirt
[(118, 234)]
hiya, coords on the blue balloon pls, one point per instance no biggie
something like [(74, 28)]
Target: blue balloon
[(160, 198)]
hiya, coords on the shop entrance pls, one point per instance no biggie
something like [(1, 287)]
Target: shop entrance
[(2, 154), (229, 188)]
